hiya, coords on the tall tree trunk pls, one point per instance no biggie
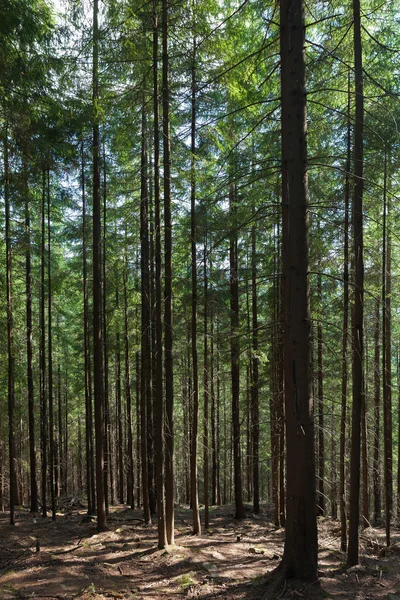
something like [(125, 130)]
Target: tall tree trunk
[(364, 456), (50, 351), (235, 351), (206, 393), (10, 339), (387, 360), (120, 437), (194, 495), (128, 396), (255, 424), (377, 402), (320, 379), (88, 379), (214, 457), (145, 381), (43, 397), (343, 416), (301, 546), (358, 308), (107, 441), (29, 352), (158, 400), (169, 372), (97, 329)]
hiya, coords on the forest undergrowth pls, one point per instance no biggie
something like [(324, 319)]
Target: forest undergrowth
[(69, 559)]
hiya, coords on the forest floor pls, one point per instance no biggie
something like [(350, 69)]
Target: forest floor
[(231, 560)]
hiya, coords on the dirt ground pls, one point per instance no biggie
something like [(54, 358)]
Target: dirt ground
[(68, 559)]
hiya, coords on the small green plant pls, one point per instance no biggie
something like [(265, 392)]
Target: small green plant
[(186, 580)]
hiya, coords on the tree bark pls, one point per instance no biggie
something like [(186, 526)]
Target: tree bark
[(235, 351), (194, 497), (301, 545), (50, 359), (97, 283), (43, 397), (358, 308), (10, 338), (343, 416), (158, 400), (29, 352)]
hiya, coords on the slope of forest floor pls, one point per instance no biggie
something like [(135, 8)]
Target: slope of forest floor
[(68, 559)]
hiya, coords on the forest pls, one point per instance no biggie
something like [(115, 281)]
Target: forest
[(200, 357)]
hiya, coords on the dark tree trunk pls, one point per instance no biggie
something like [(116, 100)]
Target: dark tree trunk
[(158, 384), (29, 353), (387, 361), (10, 339), (343, 416), (145, 381), (120, 437), (320, 379), (194, 495), (377, 403), (50, 351), (43, 398), (235, 351), (255, 425), (358, 308), (107, 440), (206, 393), (169, 372), (90, 487), (301, 545), (128, 397), (97, 329)]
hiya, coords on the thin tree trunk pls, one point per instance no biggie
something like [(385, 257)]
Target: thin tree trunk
[(97, 305), (50, 351), (120, 438), (88, 379), (107, 441), (10, 339), (255, 425), (387, 361), (377, 402), (195, 422), (168, 332), (343, 416), (235, 351), (158, 400), (145, 382), (128, 397), (29, 352), (320, 379), (358, 310), (206, 393), (43, 398)]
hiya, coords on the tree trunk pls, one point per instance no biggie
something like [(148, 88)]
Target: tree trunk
[(320, 379), (358, 308), (158, 400), (106, 431), (169, 372), (128, 397), (235, 351), (343, 416), (387, 360), (255, 424), (29, 352), (88, 379), (10, 339), (145, 379), (301, 545), (377, 402), (120, 437), (50, 351), (97, 305), (43, 398), (206, 393), (195, 422)]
